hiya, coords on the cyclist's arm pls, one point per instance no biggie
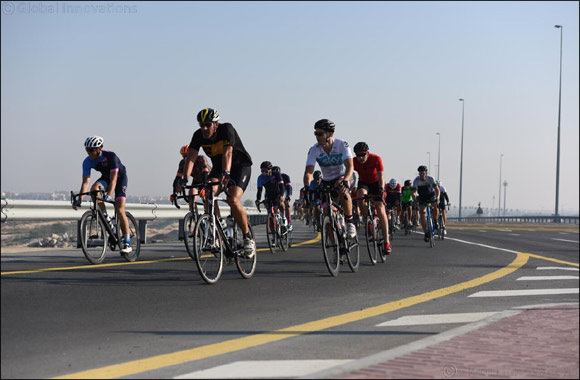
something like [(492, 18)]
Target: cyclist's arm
[(227, 158), (189, 162), (113, 185), (349, 169), (381, 175), (85, 185), (437, 192), (308, 176), (446, 197)]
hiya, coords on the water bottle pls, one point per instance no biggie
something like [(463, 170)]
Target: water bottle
[(224, 225), (230, 226), (113, 225)]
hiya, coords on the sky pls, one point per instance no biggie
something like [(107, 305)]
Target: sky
[(387, 73)]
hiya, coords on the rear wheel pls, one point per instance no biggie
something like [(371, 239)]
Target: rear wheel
[(271, 234), (283, 236), (208, 249), (93, 237), (135, 238), (330, 246), (188, 231)]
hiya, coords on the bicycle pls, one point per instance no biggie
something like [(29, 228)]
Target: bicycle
[(373, 233), (189, 219), (391, 220), (429, 224), (213, 243), (96, 233), (275, 227), (441, 224), (334, 240)]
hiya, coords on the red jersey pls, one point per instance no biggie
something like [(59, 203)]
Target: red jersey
[(368, 172), (390, 190)]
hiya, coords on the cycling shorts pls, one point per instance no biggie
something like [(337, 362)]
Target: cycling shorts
[(239, 174), (372, 188), (120, 189), (393, 200), (407, 204), (423, 200)]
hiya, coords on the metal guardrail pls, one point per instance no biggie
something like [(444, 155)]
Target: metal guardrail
[(520, 219)]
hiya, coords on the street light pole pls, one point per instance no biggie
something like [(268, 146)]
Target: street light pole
[(429, 153), (499, 199), (556, 217), (504, 197), (438, 156), (461, 161)]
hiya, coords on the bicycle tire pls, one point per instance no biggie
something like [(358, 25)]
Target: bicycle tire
[(441, 228), (134, 236), (93, 236), (371, 239), (189, 222), (208, 249), (430, 231), (269, 233), (330, 246), (246, 266), (282, 232), (380, 241), (353, 253)]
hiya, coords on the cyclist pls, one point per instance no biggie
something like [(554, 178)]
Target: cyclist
[(334, 157), (274, 190), (407, 198), (393, 200), (200, 172), (113, 179), (372, 181), (353, 183), (428, 192), (443, 198), (286, 196), (232, 165), (314, 198)]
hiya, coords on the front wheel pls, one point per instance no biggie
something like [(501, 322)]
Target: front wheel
[(330, 246), (188, 233), (353, 253), (208, 249), (93, 235), (271, 234), (282, 233), (371, 239), (134, 236)]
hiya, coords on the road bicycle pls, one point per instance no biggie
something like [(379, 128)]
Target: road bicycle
[(441, 224), (335, 242), (372, 225), (391, 218), (216, 242), (96, 233), (277, 232), (190, 218), (429, 224), (415, 219)]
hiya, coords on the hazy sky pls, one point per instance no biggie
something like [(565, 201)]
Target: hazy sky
[(387, 73)]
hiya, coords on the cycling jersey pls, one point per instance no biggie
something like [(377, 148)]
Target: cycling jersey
[(368, 171), (331, 165), (201, 166), (443, 197), (425, 188), (407, 195), (390, 190), (274, 185), (314, 195), (287, 184), (108, 163), (226, 135)]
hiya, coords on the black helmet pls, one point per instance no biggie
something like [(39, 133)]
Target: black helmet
[(276, 169), (266, 165), (422, 168), (317, 175), (207, 115), (325, 124), (361, 147), (408, 182)]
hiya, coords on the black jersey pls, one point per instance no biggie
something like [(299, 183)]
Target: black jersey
[(214, 148)]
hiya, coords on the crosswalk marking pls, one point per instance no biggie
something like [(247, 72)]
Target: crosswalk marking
[(264, 369), (541, 278), (525, 292), (434, 319), (557, 268)]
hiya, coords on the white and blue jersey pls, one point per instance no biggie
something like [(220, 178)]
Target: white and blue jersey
[(331, 165)]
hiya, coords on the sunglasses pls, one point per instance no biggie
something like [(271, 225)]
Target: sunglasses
[(207, 124), (265, 171), (319, 134), (422, 172), (361, 154), (91, 150)]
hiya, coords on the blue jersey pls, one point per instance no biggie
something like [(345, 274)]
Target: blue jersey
[(274, 185), (106, 163), (287, 184)]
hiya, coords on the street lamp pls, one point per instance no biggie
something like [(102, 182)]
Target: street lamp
[(429, 153), (504, 197), (438, 156), (461, 161), (499, 199), (556, 217)]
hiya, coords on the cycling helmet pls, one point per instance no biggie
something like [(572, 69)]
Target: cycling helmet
[(266, 165), (317, 175), (393, 183), (276, 169), (183, 150), (325, 124), (422, 168), (408, 182), (361, 147), (94, 142), (207, 115)]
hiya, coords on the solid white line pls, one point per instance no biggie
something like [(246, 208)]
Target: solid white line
[(482, 231), (541, 278), (514, 234), (557, 268), (264, 369), (563, 233), (434, 319), (570, 241), (505, 230), (526, 292)]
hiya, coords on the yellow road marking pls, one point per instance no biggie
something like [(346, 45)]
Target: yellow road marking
[(179, 357)]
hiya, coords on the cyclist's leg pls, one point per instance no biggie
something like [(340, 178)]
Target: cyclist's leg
[(362, 190), (101, 184), (382, 214)]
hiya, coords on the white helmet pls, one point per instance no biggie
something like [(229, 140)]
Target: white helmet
[(94, 142), (393, 183)]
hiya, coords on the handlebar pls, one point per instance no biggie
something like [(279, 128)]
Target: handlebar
[(92, 193)]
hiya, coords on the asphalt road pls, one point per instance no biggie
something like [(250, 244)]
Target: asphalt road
[(156, 318)]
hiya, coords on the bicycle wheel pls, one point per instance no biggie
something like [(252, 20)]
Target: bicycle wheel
[(353, 253), (392, 226), (330, 246), (282, 233), (271, 233), (441, 228), (380, 241), (208, 249), (371, 239), (135, 238), (188, 233), (93, 237), (430, 229), (246, 266)]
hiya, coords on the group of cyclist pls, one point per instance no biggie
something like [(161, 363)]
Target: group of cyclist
[(230, 169)]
